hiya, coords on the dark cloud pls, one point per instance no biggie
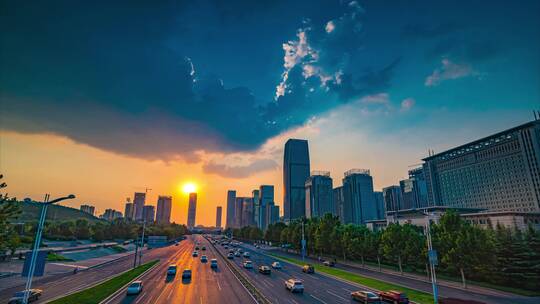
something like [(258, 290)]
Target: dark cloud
[(240, 171)]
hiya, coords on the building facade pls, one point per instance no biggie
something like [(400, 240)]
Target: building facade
[(392, 198), (111, 214), (231, 203), (339, 203), (88, 209), (255, 196), (139, 199), (149, 214), (238, 212), (266, 193), (296, 170), (192, 210), (164, 207), (247, 212), (129, 210), (500, 172), (379, 201), (319, 195), (359, 199), (218, 216)]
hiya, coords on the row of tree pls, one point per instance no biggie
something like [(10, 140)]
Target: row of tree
[(496, 255)]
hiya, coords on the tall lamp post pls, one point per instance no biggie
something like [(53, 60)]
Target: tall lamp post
[(37, 242), (432, 257)]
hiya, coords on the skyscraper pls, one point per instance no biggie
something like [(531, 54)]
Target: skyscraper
[(247, 212), (359, 204), (295, 172), (192, 209), (379, 201), (138, 204), (319, 195), (266, 193), (392, 198), (218, 216), (256, 207), (231, 201), (111, 214), (88, 209), (339, 203), (164, 206), (149, 214), (272, 214), (238, 205)]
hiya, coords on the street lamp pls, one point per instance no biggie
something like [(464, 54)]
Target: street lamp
[(37, 241), (432, 257)]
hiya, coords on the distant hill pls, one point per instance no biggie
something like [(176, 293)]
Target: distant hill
[(31, 212)]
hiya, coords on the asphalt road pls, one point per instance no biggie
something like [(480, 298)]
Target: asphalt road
[(317, 287), (206, 285)]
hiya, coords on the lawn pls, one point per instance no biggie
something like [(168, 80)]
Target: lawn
[(414, 295), (98, 293), (55, 257)]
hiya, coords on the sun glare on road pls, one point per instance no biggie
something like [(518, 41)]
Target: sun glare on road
[(189, 188)]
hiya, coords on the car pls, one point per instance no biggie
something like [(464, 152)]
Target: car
[(213, 263), (171, 270), (294, 285), (175, 244), (257, 246), (364, 296), (248, 265), (204, 259), (33, 295), (394, 296), (196, 247), (329, 263), (237, 254), (240, 250), (308, 269), (186, 274), (195, 254), (246, 254), (264, 269), (203, 248), (276, 265), (226, 247), (230, 256), (135, 287), (231, 251)]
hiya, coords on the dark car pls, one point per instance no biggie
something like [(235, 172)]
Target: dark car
[(33, 295), (329, 263), (363, 296), (308, 269), (264, 269), (393, 296)]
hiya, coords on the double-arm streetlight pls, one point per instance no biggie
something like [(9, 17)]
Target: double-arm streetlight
[(37, 241)]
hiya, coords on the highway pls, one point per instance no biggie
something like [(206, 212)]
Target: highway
[(318, 288), (206, 285)]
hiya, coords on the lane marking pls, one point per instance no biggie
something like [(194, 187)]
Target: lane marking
[(140, 298), (317, 299), (336, 295), (218, 285), (349, 291)]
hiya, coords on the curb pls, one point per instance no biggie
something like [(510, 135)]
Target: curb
[(114, 294)]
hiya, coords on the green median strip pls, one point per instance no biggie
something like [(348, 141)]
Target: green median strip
[(98, 293), (414, 295)]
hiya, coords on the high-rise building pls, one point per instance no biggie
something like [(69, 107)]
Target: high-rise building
[(272, 212), (392, 198), (256, 207), (500, 172), (295, 172), (192, 210), (164, 206), (111, 214), (359, 204), (88, 209), (218, 216), (231, 203), (149, 213), (238, 212), (420, 187), (379, 201), (407, 193), (266, 193), (129, 210), (319, 195), (339, 203), (138, 204), (247, 212)]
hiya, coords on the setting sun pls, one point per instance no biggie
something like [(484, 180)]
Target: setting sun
[(189, 188)]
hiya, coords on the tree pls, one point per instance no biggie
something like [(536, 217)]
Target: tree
[(393, 244), (323, 235), (8, 211)]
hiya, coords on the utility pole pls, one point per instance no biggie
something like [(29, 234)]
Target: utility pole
[(432, 256), (142, 241), (303, 242)]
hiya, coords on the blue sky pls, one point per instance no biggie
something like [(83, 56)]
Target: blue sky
[(166, 80)]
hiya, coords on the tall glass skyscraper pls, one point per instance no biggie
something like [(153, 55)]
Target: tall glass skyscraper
[(192, 210), (360, 204), (231, 201), (319, 195), (295, 173), (138, 204), (266, 197), (164, 206)]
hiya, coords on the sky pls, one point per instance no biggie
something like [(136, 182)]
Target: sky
[(105, 98)]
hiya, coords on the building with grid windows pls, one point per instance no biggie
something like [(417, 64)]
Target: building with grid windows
[(500, 172)]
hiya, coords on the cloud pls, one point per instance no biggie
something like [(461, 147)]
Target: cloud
[(330, 26), (240, 171), (407, 104), (381, 99), (448, 70)]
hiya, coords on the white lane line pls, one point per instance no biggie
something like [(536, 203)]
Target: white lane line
[(140, 298), (170, 293), (218, 285), (293, 301), (336, 295), (201, 300), (317, 299), (270, 283), (347, 290)]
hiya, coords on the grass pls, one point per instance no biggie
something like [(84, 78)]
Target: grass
[(98, 293), (118, 249), (414, 295), (55, 257)]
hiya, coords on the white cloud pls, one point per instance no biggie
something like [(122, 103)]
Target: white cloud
[(330, 26), (448, 70), (407, 104), (381, 99)]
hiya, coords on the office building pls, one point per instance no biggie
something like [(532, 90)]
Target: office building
[(319, 195), (238, 205), (218, 216), (111, 214), (129, 210), (231, 203), (295, 173), (266, 193), (420, 187), (256, 207), (359, 200), (272, 214), (164, 207), (379, 201), (138, 203), (149, 213), (88, 209), (392, 198), (500, 172), (247, 212), (339, 203), (192, 210)]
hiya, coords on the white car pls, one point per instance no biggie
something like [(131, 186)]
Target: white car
[(248, 265), (237, 254), (246, 254), (135, 288), (294, 285), (171, 270), (276, 265)]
